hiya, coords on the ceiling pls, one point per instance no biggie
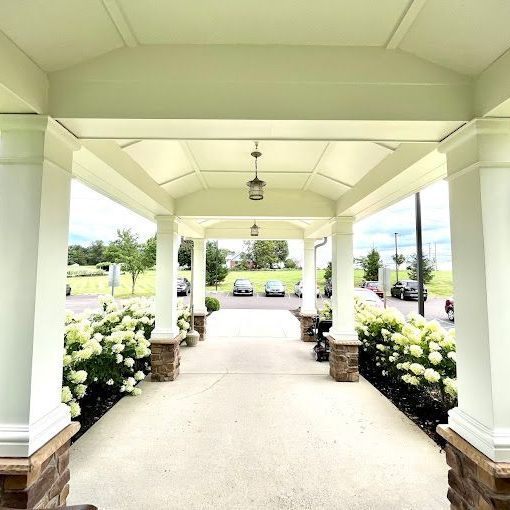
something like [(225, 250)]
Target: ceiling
[(463, 35), (327, 168)]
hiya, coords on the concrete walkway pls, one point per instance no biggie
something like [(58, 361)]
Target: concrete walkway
[(254, 423)]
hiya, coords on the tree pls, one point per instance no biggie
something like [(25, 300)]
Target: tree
[(281, 250), (427, 265), (215, 260), (328, 271), (95, 253), (370, 265), (135, 257), (399, 259), (77, 254), (290, 264), (185, 253)]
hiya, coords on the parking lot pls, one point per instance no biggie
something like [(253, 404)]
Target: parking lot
[(434, 307)]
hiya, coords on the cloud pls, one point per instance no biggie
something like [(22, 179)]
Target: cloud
[(96, 217)]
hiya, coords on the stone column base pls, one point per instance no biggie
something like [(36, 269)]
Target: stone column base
[(41, 480), (307, 322), (475, 481), (343, 359), (200, 324), (165, 359)]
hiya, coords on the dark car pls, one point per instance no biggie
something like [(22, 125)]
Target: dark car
[(242, 287), (449, 309), (375, 287), (407, 289), (68, 289), (275, 288), (328, 289), (183, 287)]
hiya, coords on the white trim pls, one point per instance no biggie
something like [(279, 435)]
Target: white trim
[(494, 443), (405, 24), (161, 335), (21, 440), (348, 337)]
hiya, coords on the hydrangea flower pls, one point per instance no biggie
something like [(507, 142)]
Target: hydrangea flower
[(431, 375), (435, 357)]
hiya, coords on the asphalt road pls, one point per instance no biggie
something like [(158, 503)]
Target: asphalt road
[(434, 307)]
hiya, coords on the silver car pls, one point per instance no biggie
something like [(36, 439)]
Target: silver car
[(242, 287), (275, 288), (298, 290)]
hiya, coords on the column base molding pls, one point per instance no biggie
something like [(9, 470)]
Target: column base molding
[(164, 336), (42, 479), (494, 443), (306, 321), (24, 439), (475, 481), (343, 358), (165, 358)]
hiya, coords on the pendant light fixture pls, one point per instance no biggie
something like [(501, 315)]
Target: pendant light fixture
[(254, 229), (256, 186)]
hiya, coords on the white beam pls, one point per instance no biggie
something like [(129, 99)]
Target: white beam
[(405, 23), (193, 162), (408, 169), (290, 83), (104, 166), (23, 85), (492, 89), (121, 24), (213, 203)]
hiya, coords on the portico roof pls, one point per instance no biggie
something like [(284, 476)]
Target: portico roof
[(347, 99)]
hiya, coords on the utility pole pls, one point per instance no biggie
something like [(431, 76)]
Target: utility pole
[(419, 254), (396, 254)]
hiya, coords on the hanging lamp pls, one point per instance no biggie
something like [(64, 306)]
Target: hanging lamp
[(254, 229), (256, 185)]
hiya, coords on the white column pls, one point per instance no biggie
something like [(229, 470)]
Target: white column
[(199, 276), (167, 248), (309, 286), (478, 160), (35, 176), (342, 280)]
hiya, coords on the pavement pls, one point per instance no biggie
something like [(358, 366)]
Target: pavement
[(434, 307), (253, 422)]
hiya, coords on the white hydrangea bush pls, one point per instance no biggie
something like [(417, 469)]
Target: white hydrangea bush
[(110, 347), (416, 351)]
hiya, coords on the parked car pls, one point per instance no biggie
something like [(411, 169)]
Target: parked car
[(374, 286), (407, 289), (68, 289), (275, 288), (298, 290), (242, 287), (183, 286), (368, 296), (328, 289), (449, 309)]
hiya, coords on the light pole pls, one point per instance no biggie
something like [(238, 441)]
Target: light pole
[(396, 254), (419, 254)]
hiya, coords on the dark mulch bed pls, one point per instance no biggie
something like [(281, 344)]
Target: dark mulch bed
[(97, 402), (416, 404)]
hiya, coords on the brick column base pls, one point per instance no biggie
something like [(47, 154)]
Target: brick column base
[(343, 359), (165, 359), (306, 323), (475, 481), (200, 325), (41, 480)]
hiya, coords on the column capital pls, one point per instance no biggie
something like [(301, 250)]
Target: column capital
[(480, 143), (43, 123), (167, 224), (343, 225)]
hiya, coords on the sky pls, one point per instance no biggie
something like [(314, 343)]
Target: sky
[(95, 217)]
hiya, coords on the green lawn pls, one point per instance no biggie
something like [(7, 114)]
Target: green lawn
[(441, 285)]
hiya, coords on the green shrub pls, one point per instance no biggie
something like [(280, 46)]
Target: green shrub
[(73, 271), (212, 304)]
